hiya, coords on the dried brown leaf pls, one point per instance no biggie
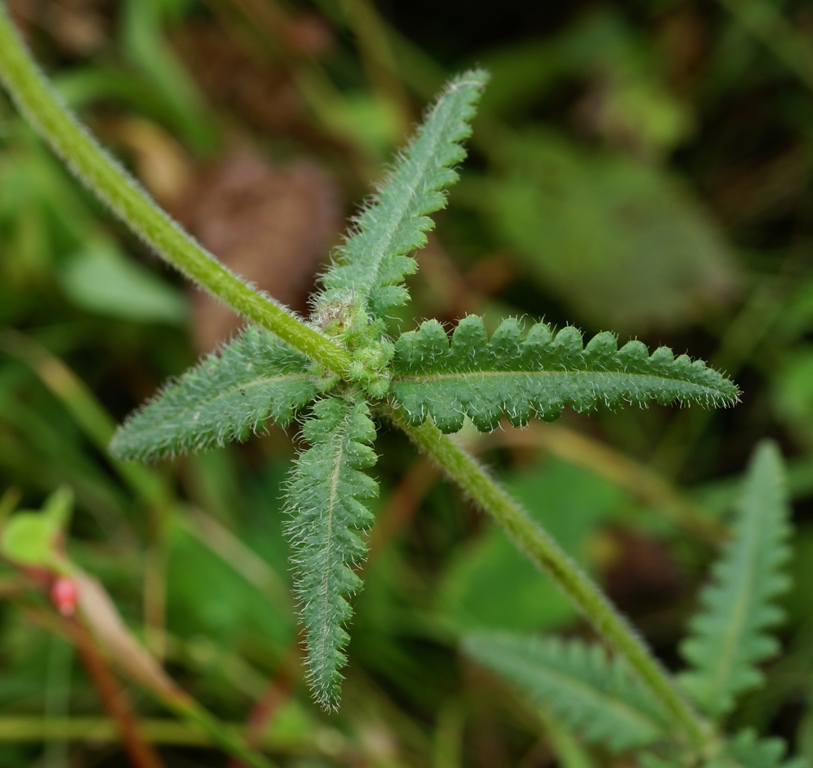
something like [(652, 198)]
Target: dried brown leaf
[(273, 225)]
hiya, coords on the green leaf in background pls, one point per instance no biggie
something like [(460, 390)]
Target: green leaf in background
[(745, 750), (145, 43), (209, 596), (593, 694), (625, 84), (32, 538), (367, 120), (388, 627), (730, 636), (793, 391), (101, 279), (618, 239), (796, 318), (488, 584)]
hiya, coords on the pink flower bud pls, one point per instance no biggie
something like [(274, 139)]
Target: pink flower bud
[(65, 595)]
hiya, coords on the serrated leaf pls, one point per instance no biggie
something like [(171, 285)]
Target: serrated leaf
[(730, 636), (593, 694), (745, 750), (537, 374), (225, 397), (327, 516), (375, 259)]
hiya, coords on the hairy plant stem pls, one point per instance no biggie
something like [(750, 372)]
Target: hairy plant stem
[(113, 185), (460, 466)]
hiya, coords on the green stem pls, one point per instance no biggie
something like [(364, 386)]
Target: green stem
[(764, 22), (226, 738), (101, 730), (463, 468), (97, 730), (115, 187), (193, 731)]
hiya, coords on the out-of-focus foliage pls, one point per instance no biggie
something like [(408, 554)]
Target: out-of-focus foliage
[(679, 133), (733, 632), (570, 503), (728, 636), (614, 236)]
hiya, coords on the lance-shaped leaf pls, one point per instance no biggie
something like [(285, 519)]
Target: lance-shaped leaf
[(225, 397), (325, 501), (537, 374), (591, 693), (730, 636), (375, 258)]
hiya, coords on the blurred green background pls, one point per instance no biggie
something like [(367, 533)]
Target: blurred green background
[(642, 167)]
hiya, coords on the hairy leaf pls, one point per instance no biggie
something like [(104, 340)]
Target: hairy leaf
[(730, 637), (225, 397), (325, 501), (538, 373), (591, 693), (375, 259)]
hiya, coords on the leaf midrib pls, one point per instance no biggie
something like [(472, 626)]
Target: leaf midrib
[(324, 592), (385, 250), (734, 628), (464, 375), (202, 404)]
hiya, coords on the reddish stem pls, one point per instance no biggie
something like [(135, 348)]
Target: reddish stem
[(266, 707), (115, 700)]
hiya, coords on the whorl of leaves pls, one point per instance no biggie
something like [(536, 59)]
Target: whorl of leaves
[(593, 694), (327, 515), (257, 377), (375, 259), (537, 373), (730, 636), (225, 397)]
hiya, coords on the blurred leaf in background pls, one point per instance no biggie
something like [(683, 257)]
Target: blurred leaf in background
[(99, 278), (488, 584), (618, 239)]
